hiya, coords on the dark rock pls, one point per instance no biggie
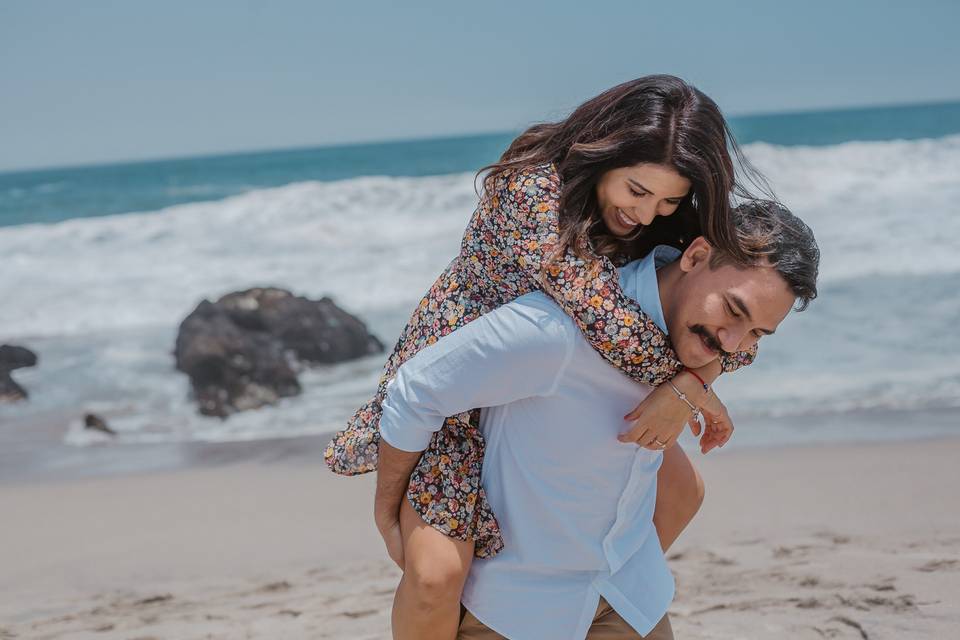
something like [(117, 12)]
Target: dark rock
[(231, 368), (242, 352), (316, 331), (13, 357), (96, 423)]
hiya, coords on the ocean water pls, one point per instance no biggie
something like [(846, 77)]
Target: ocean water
[(100, 264)]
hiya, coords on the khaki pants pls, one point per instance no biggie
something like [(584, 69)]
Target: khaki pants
[(607, 625)]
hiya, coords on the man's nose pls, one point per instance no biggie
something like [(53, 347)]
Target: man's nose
[(731, 338)]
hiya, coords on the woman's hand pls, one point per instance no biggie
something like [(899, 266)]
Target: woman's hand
[(718, 427), (658, 421)]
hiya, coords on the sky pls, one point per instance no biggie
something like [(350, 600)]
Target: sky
[(96, 81)]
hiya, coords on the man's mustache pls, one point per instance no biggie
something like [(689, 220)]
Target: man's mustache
[(708, 337)]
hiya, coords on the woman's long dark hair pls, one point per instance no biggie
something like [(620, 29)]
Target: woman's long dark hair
[(655, 119)]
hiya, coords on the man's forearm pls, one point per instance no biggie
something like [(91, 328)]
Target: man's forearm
[(393, 475)]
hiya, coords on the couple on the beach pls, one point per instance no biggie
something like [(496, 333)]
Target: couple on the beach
[(604, 267)]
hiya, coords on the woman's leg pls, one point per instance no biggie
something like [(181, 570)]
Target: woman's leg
[(435, 566), (679, 495)]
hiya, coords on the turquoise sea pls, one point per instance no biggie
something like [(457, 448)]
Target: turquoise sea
[(52, 195)]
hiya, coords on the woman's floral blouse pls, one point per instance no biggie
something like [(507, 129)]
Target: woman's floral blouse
[(503, 256)]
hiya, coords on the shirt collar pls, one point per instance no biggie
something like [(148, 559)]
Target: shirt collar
[(638, 279)]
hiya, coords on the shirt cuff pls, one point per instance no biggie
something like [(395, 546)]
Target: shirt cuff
[(400, 432)]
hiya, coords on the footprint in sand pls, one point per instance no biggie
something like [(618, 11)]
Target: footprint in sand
[(835, 538), (272, 587), (897, 605), (706, 555), (939, 565), (795, 551), (153, 600), (883, 585), (809, 603), (851, 623)]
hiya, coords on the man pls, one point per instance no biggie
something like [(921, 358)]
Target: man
[(575, 502)]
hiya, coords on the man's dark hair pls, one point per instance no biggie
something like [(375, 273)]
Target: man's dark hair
[(769, 234)]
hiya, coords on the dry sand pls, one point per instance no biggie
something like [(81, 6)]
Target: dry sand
[(846, 541)]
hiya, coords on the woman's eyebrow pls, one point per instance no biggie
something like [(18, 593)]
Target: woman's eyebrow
[(643, 188), (639, 186)]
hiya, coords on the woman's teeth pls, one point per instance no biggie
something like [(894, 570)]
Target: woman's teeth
[(624, 220)]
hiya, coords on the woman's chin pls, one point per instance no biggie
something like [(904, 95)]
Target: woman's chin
[(613, 226), (624, 233)]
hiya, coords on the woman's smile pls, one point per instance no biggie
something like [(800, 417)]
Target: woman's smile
[(624, 220)]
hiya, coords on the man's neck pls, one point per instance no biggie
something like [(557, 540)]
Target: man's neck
[(667, 277)]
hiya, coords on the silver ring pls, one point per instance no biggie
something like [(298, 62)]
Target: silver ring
[(662, 445)]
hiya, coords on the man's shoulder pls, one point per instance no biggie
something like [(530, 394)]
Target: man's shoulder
[(542, 312)]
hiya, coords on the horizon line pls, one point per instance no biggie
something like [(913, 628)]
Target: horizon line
[(402, 139)]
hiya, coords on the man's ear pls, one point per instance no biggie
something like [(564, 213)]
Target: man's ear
[(696, 255)]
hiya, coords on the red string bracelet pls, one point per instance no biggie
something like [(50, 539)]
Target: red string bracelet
[(706, 387)]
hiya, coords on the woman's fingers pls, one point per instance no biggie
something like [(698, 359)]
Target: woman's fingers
[(644, 437), (714, 432), (635, 414), (633, 434), (650, 441), (727, 434), (718, 432), (653, 439)]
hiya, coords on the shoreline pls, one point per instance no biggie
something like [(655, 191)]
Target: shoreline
[(800, 542), (41, 456)]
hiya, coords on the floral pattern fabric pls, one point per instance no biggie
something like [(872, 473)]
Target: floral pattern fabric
[(507, 251)]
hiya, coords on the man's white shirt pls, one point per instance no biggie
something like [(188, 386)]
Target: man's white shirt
[(574, 504)]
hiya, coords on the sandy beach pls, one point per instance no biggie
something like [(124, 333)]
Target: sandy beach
[(841, 541)]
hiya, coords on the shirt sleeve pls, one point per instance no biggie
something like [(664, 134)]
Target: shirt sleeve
[(517, 351), (526, 206)]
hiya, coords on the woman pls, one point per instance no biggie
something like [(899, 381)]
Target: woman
[(642, 164)]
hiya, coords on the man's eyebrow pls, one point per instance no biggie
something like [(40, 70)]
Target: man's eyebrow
[(738, 301), (643, 188)]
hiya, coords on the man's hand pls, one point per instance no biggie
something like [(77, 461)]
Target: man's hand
[(393, 539), (393, 475)]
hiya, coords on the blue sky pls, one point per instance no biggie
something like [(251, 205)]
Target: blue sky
[(102, 81)]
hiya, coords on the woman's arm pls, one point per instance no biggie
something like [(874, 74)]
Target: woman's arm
[(525, 206)]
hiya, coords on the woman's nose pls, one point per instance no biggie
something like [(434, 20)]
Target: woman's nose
[(664, 208), (645, 214)]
